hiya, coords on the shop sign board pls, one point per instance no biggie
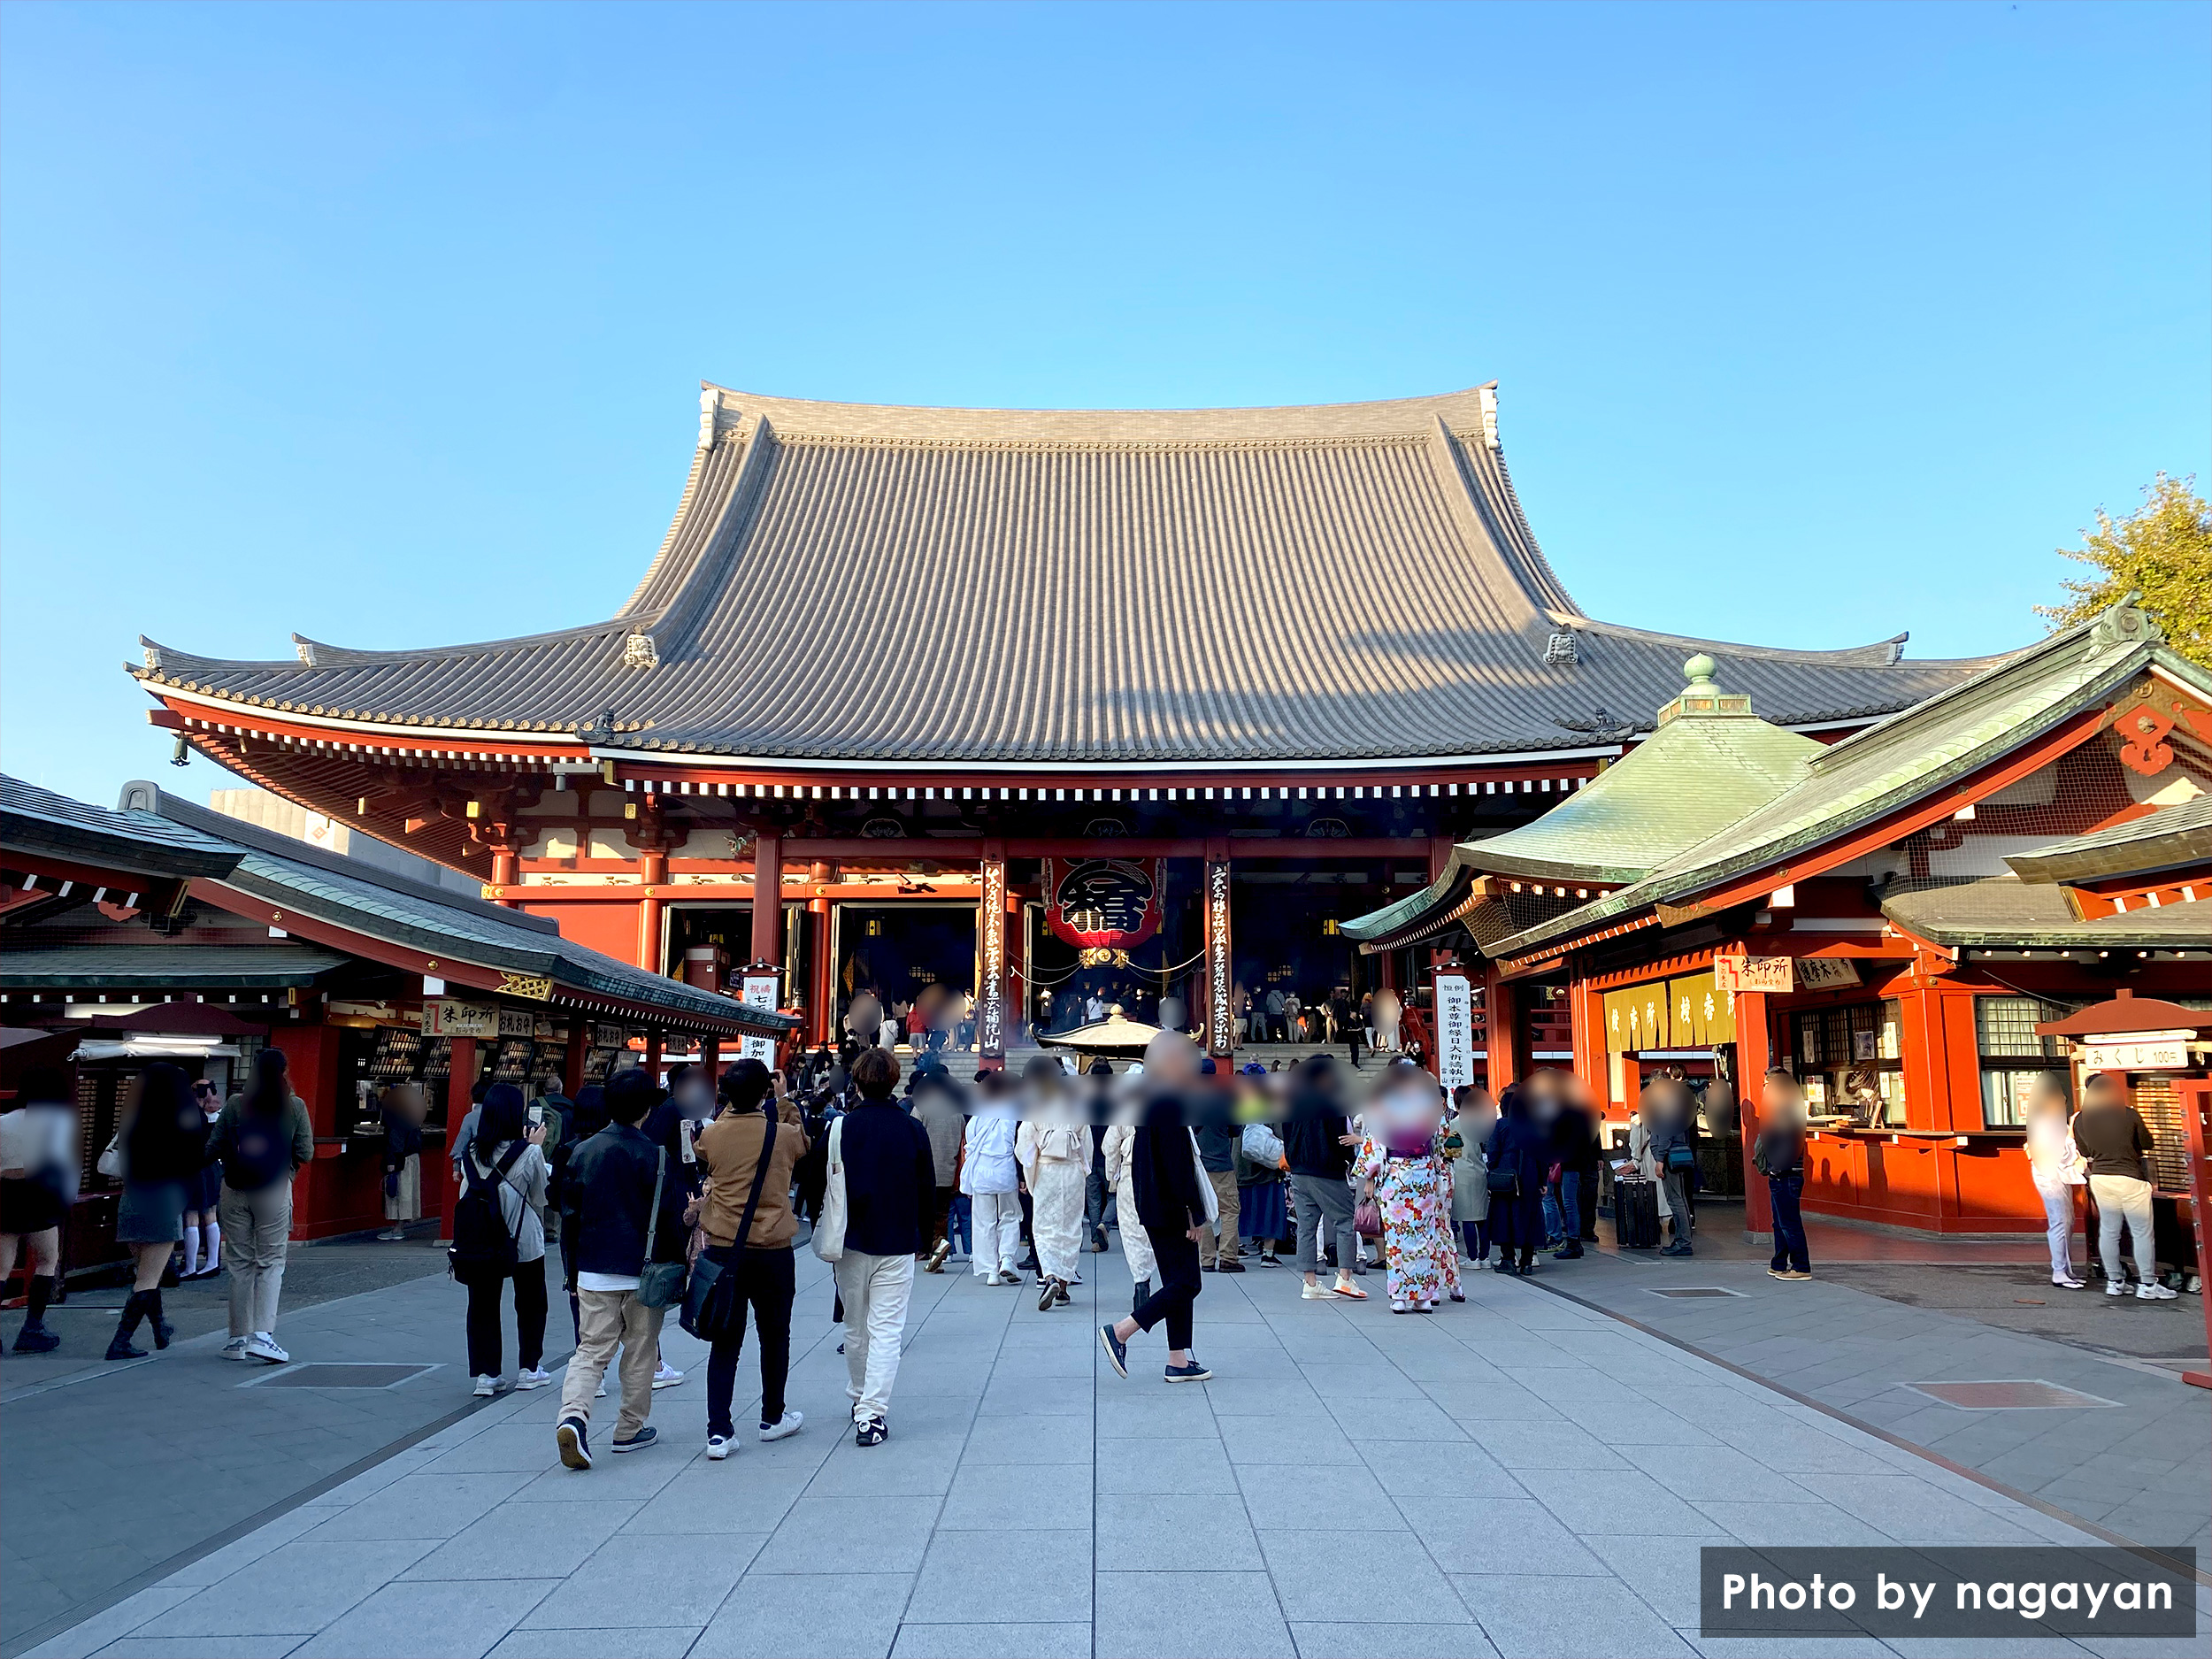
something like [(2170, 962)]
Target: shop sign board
[(517, 1022), (1455, 1031), (606, 1036), (1754, 973), (443, 1017), (1826, 974), (759, 991), (2139, 1051)]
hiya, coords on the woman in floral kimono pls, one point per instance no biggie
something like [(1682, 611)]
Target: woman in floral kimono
[(1402, 1166)]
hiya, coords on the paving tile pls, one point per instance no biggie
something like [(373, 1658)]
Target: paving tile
[(1006, 1497), (302, 1586), (637, 1579), (721, 1498), (421, 1506), (1810, 1524), (1311, 1580), (792, 1616), (1528, 1616), (112, 1624), (1191, 1615), (1133, 1535), (975, 1578), (202, 1647), (1455, 1468), (1029, 1439), (433, 1621), (1172, 1414), (1539, 1445), (1487, 1536), (1185, 1468), (658, 1641), (994, 1641), (1595, 1501), (817, 1531), (525, 1540), (1370, 1641)]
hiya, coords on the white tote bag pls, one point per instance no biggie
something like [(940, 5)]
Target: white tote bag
[(829, 1232), (1205, 1182)]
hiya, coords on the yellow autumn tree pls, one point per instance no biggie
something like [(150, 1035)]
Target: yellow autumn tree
[(2163, 551)]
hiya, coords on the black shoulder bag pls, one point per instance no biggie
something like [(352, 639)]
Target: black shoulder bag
[(710, 1305)]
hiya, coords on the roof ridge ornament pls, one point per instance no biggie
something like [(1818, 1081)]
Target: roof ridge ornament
[(1488, 396), (1703, 698), (304, 648), (1560, 652), (2122, 624), (709, 406), (638, 651)]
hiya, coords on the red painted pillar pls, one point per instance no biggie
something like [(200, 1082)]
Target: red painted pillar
[(1502, 1013), (768, 905), (437, 1164), (823, 1016), (311, 1055), (1753, 1057), (572, 1056)]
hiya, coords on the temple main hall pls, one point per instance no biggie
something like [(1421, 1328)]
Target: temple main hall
[(1013, 714)]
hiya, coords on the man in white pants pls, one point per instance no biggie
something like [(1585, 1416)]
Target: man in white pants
[(881, 1158), (2117, 1143), (987, 1176)]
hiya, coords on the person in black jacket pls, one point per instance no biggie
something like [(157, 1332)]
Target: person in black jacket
[(1171, 1206), (1574, 1148), (1317, 1144), (890, 1178), (1520, 1152), (1778, 1154), (164, 1143), (609, 1229)]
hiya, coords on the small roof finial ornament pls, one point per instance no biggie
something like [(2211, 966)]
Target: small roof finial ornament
[(1702, 697), (710, 404), (305, 650), (639, 651), (1488, 396), (2122, 624), (1559, 651)]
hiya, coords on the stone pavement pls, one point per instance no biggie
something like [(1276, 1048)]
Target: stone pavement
[(114, 1471), (1521, 1475)]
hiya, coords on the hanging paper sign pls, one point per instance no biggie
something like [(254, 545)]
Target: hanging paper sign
[(759, 991), (2138, 1051), (1754, 973), (1455, 1030), (1104, 903)]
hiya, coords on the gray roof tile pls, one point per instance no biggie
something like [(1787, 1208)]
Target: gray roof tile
[(848, 582)]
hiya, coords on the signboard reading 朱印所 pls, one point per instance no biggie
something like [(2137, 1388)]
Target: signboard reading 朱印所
[(1754, 973)]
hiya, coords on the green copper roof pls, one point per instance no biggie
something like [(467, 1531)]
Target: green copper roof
[(2173, 837), (2004, 912), (1901, 761), (1710, 762)]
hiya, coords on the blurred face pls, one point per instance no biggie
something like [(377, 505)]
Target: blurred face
[(1781, 1101), (1171, 1058)]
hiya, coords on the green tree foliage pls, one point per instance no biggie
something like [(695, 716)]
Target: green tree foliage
[(2164, 551)]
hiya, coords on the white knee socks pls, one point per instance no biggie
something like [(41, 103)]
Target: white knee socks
[(213, 1229), (191, 1251)]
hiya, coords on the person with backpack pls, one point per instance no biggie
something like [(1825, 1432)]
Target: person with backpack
[(622, 1225), (749, 1153), (499, 1235), (264, 1138)]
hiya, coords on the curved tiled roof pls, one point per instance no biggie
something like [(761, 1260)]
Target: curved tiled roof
[(849, 582)]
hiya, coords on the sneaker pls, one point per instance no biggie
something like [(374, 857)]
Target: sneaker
[(870, 1432), (262, 1346), (645, 1437), (936, 1263), (2115, 1288), (1315, 1292), (600, 1392), (1060, 1291), (1233, 1266), (1350, 1293), (388, 1236), (485, 1388), (526, 1380), (2070, 1283), (1796, 1273), (575, 1446), (1048, 1295), (2153, 1293), (36, 1339), (719, 1447), (785, 1427), (1195, 1371), (665, 1376), (236, 1348), (1205, 1267), (1270, 1261), (1117, 1350)]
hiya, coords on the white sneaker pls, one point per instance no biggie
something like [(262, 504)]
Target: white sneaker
[(784, 1429), (600, 1392), (526, 1380), (667, 1376), (1315, 1292), (485, 1388), (262, 1346), (719, 1447), (236, 1348), (2154, 1292), (2115, 1288)]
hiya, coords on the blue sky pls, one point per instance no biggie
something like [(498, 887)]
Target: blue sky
[(385, 323)]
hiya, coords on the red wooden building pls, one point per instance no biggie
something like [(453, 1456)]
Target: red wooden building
[(1131, 704), (1907, 905)]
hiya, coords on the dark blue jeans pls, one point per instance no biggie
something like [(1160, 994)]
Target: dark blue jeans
[(1571, 1205), (1478, 1235), (1784, 1193)]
